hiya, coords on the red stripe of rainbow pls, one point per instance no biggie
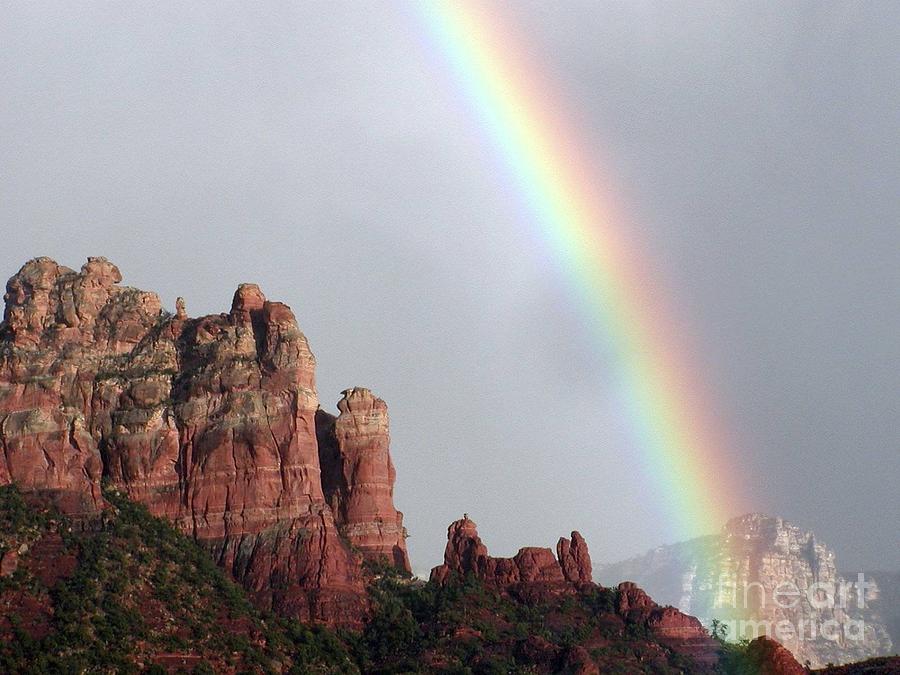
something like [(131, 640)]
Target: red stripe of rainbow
[(586, 234)]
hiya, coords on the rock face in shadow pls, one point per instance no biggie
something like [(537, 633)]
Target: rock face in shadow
[(210, 422), (358, 477), (767, 657)]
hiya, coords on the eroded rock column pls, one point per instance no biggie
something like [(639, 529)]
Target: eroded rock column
[(358, 476)]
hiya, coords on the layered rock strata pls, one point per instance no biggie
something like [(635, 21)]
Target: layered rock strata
[(681, 632), (358, 476), (210, 422), (764, 576)]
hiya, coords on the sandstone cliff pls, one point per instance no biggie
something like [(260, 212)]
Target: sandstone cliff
[(761, 573), (210, 422), (358, 476)]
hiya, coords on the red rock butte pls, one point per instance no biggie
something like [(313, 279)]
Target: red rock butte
[(213, 422)]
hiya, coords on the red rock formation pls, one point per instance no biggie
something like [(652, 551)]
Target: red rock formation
[(358, 476), (574, 559), (54, 335), (636, 606), (672, 622), (633, 602), (535, 574), (681, 632), (464, 552), (768, 657), (209, 421), (530, 567)]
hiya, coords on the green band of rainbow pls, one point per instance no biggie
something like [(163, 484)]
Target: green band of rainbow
[(587, 237)]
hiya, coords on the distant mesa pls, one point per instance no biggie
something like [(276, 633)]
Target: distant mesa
[(758, 572)]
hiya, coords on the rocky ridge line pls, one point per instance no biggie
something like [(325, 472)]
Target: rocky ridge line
[(535, 574)]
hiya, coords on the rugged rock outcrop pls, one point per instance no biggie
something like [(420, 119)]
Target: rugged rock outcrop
[(767, 657), (574, 559), (683, 633), (210, 422), (358, 476), (763, 575), (53, 333), (465, 553), (532, 567), (534, 574)]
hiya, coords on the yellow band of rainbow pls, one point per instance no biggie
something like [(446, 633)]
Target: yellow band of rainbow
[(556, 176)]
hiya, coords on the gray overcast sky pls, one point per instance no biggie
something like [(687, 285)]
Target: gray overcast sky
[(321, 150)]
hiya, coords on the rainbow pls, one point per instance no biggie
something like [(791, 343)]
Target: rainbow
[(681, 447)]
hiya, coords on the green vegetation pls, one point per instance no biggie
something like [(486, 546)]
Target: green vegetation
[(464, 627), (20, 524), (734, 658), (17, 517), (139, 588), (128, 593)]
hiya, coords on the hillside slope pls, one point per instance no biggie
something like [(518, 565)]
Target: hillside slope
[(127, 592)]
